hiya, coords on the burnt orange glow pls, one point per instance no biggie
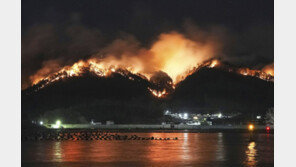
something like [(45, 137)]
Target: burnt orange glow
[(269, 69), (156, 93), (172, 53)]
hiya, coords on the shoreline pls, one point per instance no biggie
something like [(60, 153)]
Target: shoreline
[(145, 128)]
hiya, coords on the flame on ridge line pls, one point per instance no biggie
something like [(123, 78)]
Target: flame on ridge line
[(104, 70)]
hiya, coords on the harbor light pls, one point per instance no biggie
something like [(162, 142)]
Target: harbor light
[(251, 127)]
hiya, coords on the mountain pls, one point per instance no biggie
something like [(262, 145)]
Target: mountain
[(79, 99), (128, 98), (213, 89)]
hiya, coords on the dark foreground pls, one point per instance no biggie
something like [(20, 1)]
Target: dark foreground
[(191, 149)]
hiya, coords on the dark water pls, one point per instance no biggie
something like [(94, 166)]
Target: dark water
[(192, 149)]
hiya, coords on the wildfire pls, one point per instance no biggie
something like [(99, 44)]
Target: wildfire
[(156, 93), (269, 69), (256, 73), (103, 69), (77, 69), (172, 53), (214, 63), (176, 55)]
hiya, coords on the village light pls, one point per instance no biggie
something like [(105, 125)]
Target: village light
[(195, 117), (58, 122), (185, 116), (57, 125), (167, 112), (219, 115)]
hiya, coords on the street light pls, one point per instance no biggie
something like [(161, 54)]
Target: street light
[(251, 127)]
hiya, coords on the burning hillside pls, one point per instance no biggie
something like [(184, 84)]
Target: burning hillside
[(106, 93), (163, 84), (170, 60), (172, 53)]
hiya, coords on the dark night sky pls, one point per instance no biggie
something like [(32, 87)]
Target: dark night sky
[(53, 28)]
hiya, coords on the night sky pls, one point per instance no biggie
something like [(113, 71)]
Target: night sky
[(69, 30)]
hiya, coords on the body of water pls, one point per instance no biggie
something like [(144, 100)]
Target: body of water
[(191, 149)]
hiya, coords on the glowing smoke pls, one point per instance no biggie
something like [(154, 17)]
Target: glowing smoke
[(172, 53)]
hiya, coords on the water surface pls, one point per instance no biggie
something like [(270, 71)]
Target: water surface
[(192, 149)]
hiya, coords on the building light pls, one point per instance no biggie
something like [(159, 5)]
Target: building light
[(258, 117), (195, 117), (41, 122)]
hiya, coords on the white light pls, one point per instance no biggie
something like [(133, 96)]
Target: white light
[(56, 126), (219, 115), (41, 123), (58, 122), (258, 117), (185, 116)]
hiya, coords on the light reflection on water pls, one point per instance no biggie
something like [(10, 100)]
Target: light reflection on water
[(251, 154), (220, 148), (185, 147), (192, 149), (57, 152)]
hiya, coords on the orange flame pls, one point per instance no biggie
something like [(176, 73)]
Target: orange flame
[(172, 53), (269, 69), (214, 63), (103, 69), (77, 69), (156, 93), (262, 74)]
